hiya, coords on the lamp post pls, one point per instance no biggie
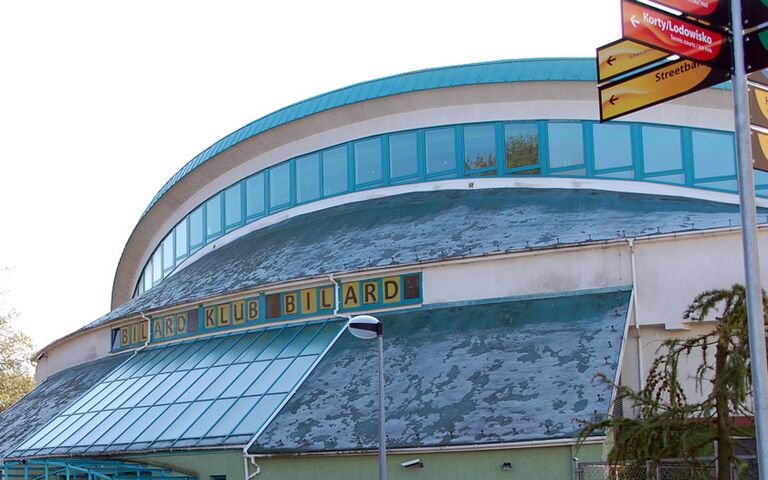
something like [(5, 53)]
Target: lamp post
[(368, 327)]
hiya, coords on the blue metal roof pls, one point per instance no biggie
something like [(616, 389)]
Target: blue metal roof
[(498, 372), (527, 70), (425, 226)]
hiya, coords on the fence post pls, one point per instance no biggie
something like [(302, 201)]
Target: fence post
[(575, 468)]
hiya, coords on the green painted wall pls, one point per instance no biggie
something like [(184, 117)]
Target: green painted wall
[(203, 464), (540, 463)]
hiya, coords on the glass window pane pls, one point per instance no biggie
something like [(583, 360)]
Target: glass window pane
[(168, 255), (713, 154), (229, 375), (323, 339), (77, 436), (677, 179), (566, 145), (157, 266), (268, 377), (521, 144), (403, 155), (152, 397), (207, 419), (145, 390), (278, 344), (335, 171), (167, 418), (233, 206), (662, 149), (727, 185), (578, 172), (196, 228), (234, 351), (245, 380), (57, 440), (201, 384), (368, 161), (213, 216), (613, 145), (255, 350), (229, 421), (147, 276), (308, 178), (126, 391), (280, 185), (180, 387), (761, 177), (300, 341), (201, 353), (479, 147), (100, 428), (140, 424), (129, 418), (293, 374), (624, 174), (214, 355), (256, 418), (180, 234), (254, 195), (183, 421), (441, 150)]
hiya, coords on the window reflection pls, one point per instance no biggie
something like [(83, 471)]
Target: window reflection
[(254, 195), (566, 145), (367, 161), (280, 185), (613, 146), (233, 210), (521, 146), (308, 178), (713, 154), (213, 216), (662, 149), (403, 155), (335, 171), (196, 236), (440, 149), (479, 147)]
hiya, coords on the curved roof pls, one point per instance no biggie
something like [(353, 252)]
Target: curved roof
[(420, 227), (527, 70)]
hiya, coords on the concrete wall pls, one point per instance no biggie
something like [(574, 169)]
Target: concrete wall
[(79, 349)]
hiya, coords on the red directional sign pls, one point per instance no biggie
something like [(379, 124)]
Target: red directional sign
[(662, 30), (712, 11)]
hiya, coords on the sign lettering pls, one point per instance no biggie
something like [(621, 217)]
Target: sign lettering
[(664, 31), (656, 85), (238, 312), (622, 56)]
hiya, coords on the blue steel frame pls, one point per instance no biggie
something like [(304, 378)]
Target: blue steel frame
[(632, 171), (166, 377), (90, 469)]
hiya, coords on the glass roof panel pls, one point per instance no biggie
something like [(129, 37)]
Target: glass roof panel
[(202, 392)]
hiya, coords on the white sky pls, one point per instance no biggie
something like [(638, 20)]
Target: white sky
[(102, 101)]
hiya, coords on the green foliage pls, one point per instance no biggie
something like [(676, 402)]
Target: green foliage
[(521, 150), (15, 362), (668, 424)]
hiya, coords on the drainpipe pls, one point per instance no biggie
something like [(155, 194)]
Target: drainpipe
[(633, 268), (336, 299)]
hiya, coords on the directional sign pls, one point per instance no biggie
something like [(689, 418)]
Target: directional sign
[(656, 85), (664, 31), (622, 56), (754, 12), (712, 11), (758, 106), (756, 50), (759, 150)]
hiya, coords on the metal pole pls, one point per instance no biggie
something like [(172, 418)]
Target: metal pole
[(382, 432), (749, 240)]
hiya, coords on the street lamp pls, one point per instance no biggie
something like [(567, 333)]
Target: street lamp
[(368, 327)]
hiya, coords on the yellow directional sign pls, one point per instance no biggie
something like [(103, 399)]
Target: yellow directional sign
[(760, 150), (758, 106), (622, 56), (656, 85)]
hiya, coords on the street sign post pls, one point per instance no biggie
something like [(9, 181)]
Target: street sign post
[(656, 85), (656, 28), (623, 56), (711, 11)]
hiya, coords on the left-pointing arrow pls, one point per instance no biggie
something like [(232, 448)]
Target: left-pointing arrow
[(610, 60), (613, 99), (635, 21)]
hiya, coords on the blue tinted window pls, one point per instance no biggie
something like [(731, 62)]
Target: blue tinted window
[(254, 195), (676, 179), (761, 177), (213, 216), (157, 266), (368, 161), (196, 228), (613, 145), (662, 149), (308, 178), (713, 154), (479, 147), (440, 150), (403, 155), (168, 255), (335, 171), (233, 206), (727, 185), (521, 145), (147, 276), (566, 145), (280, 185), (180, 235)]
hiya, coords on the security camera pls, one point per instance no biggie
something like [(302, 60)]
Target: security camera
[(415, 463)]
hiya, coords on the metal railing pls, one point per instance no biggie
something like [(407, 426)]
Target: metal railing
[(745, 468)]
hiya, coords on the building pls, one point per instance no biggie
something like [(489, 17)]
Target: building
[(512, 246)]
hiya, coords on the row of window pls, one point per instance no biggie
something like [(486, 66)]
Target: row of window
[(681, 156)]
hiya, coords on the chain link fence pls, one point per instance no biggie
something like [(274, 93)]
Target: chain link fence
[(744, 469)]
